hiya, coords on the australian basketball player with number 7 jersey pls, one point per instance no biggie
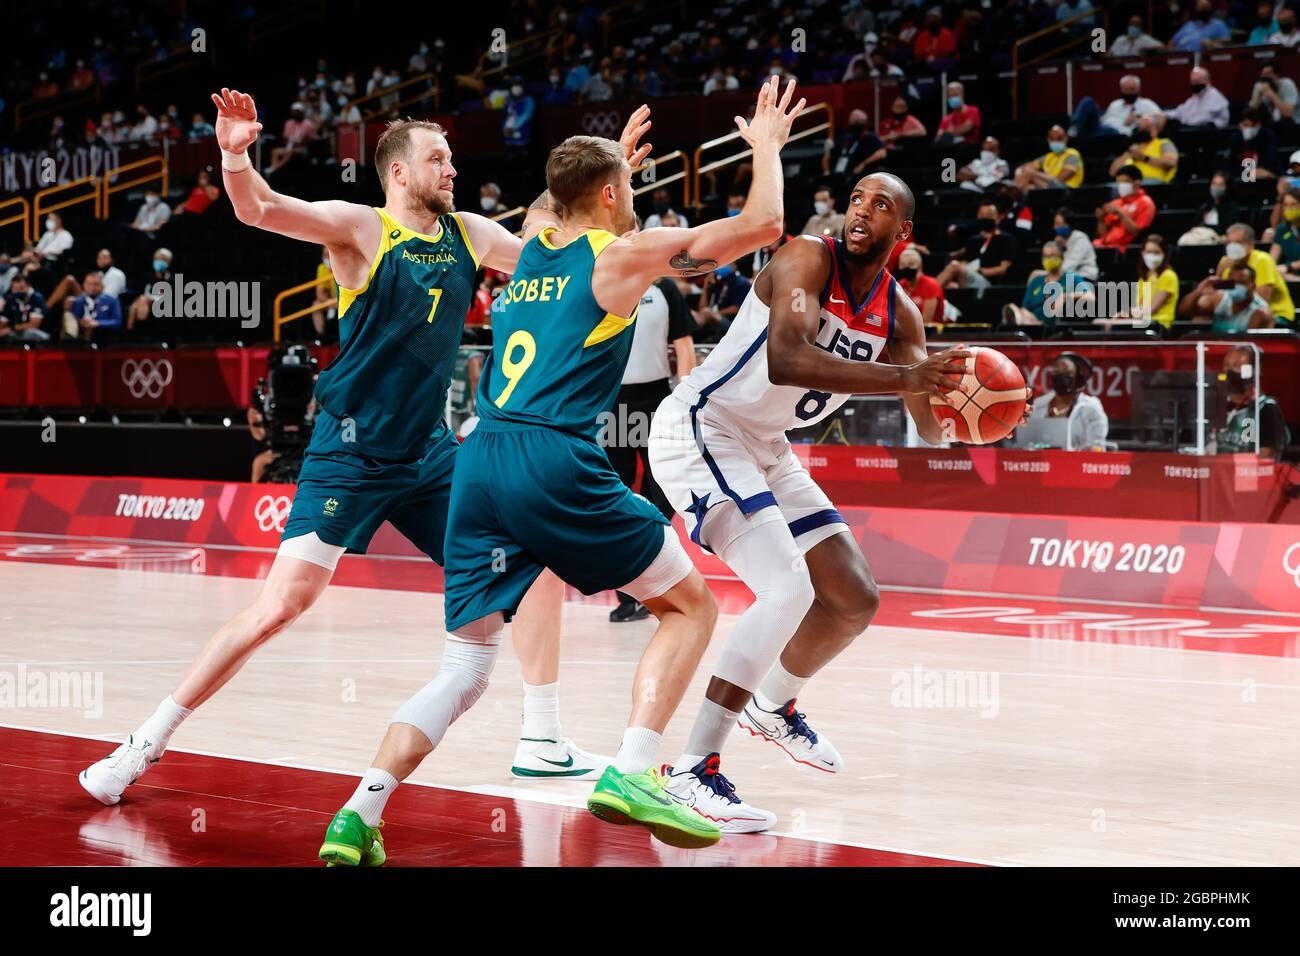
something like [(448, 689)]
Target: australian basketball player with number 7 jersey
[(823, 321)]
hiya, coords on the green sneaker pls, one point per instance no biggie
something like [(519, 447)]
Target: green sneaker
[(640, 798), (349, 842)]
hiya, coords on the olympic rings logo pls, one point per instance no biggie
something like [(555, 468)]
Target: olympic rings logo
[(601, 124), (1291, 562), (146, 377), (272, 512)]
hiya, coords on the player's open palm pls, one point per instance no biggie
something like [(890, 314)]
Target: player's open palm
[(237, 125), (637, 126), (772, 116), (937, 374)]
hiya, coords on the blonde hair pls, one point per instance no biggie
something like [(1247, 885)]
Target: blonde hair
[(395, 143), (580, 164)]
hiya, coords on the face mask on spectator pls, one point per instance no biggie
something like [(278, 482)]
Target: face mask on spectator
[(954, 102), (1051, 263), (1135, 32), (1239, 293), (516, 90), (49, 223), (987, 155), (160, 265), (151, 200), (986, 224), (1236, 381), (487, 203), (822, 208), (1142, 136), (1056, 146), (1129, 98), (1062, 231), (723, 271), (1292, 214), (1198, 87), (1236, 251), (906, 273), (1218, 192), (1124, 189), (1249, 132), (733, 212), (1062, 382), (1152, 259)]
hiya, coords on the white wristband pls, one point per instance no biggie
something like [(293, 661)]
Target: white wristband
[(235, 162)]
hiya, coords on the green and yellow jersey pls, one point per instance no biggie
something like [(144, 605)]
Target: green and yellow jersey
[(399, 336), (557, 357)]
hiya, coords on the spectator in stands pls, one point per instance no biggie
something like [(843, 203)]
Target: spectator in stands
[(1061, 167), (986, 257), (598, 88), (327, 292), (142, 307), (900, 127), (1232, 304), (936, 45), (1249, 419), (721, 296), (41, 263), (146, 126), (517, 126), (924, 290), (1121, 116), (1067, 416), (986, 169), (200, 128), (1267, 281), (93, 311), (298, 135), (1078, 253), (83, 77), (1265, 24), (1157, 286), (1253, 145), (1135, 41), (824, 221), (201, 197), (1051, 293), (1285, 249), (962, 123), (721, 81), (1275, 95), (1206, 107), (113, 278), (153, 213), (661, 203), (1154, 156), (7, 272), (1214, 215), (879, 66), (1287, 35), (1121, 220), (854, 151), (21, 312), (1201, 31)]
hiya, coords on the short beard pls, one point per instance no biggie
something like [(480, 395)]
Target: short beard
[(436, 204)]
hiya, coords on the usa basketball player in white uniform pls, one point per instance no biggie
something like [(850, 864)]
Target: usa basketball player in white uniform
[(823, 321)]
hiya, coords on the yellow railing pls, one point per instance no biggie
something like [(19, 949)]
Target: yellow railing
[(434, 90), (1017, 65), (277, 310), (654, 181), (24, 217), (517, 211), (827, 126), (520, 51), (111, 187), (41, 206), (30, 110), (179, 59)]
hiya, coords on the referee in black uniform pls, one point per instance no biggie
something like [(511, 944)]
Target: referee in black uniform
[(663, 320)]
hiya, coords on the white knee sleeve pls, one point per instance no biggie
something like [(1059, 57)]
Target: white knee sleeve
[(765, 556), (669, 568), (467, 662), (309, 547)]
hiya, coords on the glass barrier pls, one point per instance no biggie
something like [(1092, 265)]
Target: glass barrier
[(1199, 398)]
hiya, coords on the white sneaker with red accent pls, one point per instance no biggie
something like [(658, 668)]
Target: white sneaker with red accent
[(705, 790), (786, 728)]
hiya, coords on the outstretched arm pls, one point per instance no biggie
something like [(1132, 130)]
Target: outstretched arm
[(340, 226)]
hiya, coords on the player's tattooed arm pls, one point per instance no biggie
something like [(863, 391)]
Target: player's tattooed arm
[(685, 265), (547, 202), (545, 211)]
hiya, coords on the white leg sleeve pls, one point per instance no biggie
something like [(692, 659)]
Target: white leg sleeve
[(761, 550), (669, 568), (309, 547), (467, 662)]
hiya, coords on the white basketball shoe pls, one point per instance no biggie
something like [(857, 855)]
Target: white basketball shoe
[(106, 779), (556, 758), (786, 728), (705, 790)]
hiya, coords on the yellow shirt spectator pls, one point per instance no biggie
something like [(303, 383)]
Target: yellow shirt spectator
[(1166, 282), (1266, 274), (1053, 163), (1154, 148)]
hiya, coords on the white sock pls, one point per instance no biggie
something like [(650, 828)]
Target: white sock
[(542, 712), (712, 725), (778, 687), (637, 752), (163, 723), (372, 795)]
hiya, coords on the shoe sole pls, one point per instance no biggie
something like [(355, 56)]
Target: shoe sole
[(613, 810), (340, 854), (101, 795), (771, 740), (569, 774)]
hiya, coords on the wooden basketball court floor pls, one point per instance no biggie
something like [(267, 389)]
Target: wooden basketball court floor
[(976, 729)]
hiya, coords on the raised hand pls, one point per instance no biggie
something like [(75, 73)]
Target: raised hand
[(237, 125), (938, 374), (637, 124), (772, 116)]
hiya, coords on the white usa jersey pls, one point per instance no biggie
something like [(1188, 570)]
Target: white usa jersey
[(734, 378)]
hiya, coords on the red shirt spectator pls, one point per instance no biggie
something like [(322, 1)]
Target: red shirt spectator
[(933, 44), (967, 112), (922, 289), (1114, 232)]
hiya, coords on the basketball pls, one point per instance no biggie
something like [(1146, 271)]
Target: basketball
[(988, 404)]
